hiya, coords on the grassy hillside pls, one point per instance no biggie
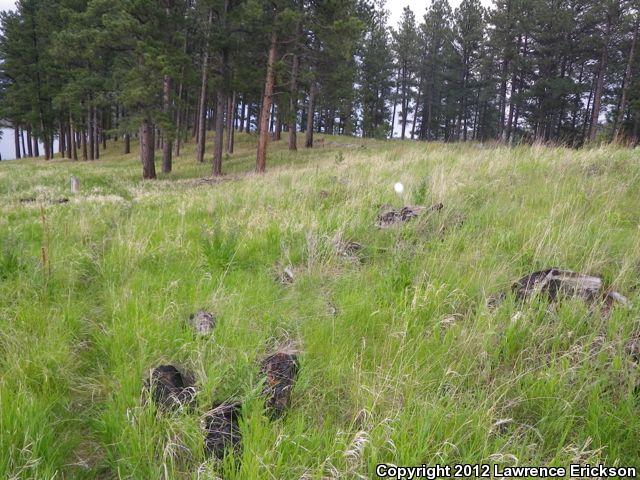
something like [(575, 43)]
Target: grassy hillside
[(401, 359)]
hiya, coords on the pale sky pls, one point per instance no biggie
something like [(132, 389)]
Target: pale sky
[(7, 4), (419, 7)]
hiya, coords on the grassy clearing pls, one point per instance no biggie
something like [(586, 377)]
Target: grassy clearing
[(401, 360)]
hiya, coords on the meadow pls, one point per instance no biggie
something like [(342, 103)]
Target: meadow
[(402, 361)]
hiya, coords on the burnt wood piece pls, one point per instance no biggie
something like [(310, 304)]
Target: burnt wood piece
[(222, 431), (202, 322), (280, 370), (169, 388), (555, 284), (390, 217)]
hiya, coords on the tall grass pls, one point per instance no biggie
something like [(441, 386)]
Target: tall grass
[(401, 360)]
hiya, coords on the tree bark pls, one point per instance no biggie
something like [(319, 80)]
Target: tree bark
[(261, 156), (83, 144), (395, 103), (179, 117), (62, 140), (415, 112), (310, 115), (277, 133), (602, 70), (147, 150), (96, 135), (202, 111), (242, 114), (24, 150), (36, 146), (167, 147), (626, 83), (405, 105), (219, 139), (231, 110), (16, 130), (90, 133), (74, 144), (293, 104), (103, 129)]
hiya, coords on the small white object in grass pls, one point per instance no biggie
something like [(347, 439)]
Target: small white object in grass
[(398, 187)]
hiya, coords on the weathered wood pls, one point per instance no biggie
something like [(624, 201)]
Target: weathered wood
[(280, 371), (390, 217), (263, 139), (169, 388), (202, 322), (555, 284), (222, 430)]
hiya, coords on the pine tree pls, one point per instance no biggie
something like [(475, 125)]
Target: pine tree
[(405, 46), (375, 77)]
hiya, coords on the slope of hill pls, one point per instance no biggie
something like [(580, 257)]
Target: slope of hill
[(401, 359)]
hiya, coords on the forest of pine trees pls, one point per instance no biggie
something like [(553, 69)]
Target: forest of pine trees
[(168, 71)]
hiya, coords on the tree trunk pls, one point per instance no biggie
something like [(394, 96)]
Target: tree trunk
[(103, 130), (261, 157), (147, 150), (62, 140), (231, 110), (415, 112), (395, 103), (202, 111), (83, 144), (29, 142), (310, 115), (96, 134), (24, 150), (602, 70), (405, 107), (16, 137), (179, 117), (273, 117), (293, 104), (167, 147), (626, 83), (36, 146), (277, 134), (46, 144), (242, 114), (219, 139), (74, 144), (248, 126), (69, 142), (90, 133), (127, 143)]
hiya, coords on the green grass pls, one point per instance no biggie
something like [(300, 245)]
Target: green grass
[(401, 360)]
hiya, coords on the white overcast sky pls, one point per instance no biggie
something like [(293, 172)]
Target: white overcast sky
[(418, 6), (7, 4)]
